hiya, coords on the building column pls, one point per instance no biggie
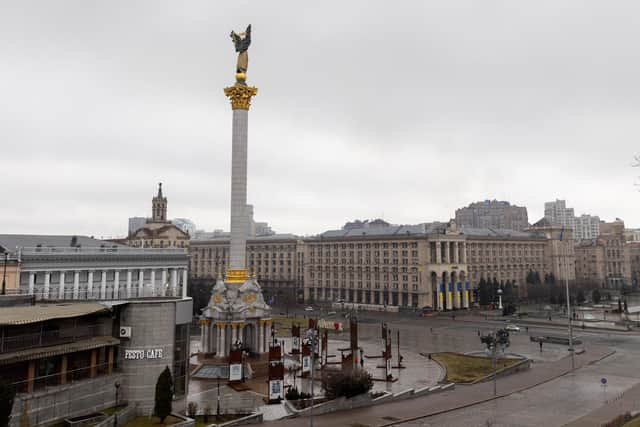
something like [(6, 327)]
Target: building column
[(205, 331), (116, 284), (103, 285), (457, 295), (267, 326), (31, 375), (258, 336), (234, 333), (440, 295), (90, 285), (465, 295), (61, 286), (32, 283), (218, 336), (129, 274), (110, 360), (456, 252), (153, 282), (223, 341), (63, 369), (174, 282), (184, 283), (438, 252), (140, 283), (76, 284), (47, 278), (163, 278), (464, 253), (202, 343)]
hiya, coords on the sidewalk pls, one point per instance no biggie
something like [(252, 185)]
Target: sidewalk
[(462, 396), (628, 401)]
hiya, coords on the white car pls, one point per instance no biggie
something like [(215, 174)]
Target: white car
[(308, 308), (513, 328)]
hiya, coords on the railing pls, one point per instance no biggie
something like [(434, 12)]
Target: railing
[(106, 250), (84, 294), (46, 382), (54, 337)]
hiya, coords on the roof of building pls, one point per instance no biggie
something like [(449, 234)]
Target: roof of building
[(225, 239), (55, 350), (499, 233), (386, 231), (23, 315), (12, 241)]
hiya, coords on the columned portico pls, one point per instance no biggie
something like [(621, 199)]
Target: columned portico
[(61, 286)]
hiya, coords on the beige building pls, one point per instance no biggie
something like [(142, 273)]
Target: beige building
[(407, 266), (9, 271), (590, 264), (634, 255), (158, 232), (271, 259)]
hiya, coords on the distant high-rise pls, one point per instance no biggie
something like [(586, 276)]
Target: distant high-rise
[(136, 223), (185, 225), (584, 226), (493, 214)]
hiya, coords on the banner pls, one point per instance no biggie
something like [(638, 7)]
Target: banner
[(276, 390), (306, 364), (235, 372), (449, 296)]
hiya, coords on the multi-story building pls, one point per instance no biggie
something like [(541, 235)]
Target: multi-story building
[(103, 308), (557, 213), (493, 214), (586, 227), (136, 223), (158, 232), (9, 271), (185, 224), (590, 263), (634, 256), (397, 265), (616, 254), (272, 259)]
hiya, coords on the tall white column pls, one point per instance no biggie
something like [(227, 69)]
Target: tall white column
[(103, 285), (32, 283), (47, 278), (239, 211), (90, 285), (217, 338), (61, 286), (223, 341), (259, 335), (116, 284), (129, 274), (141, 283), (234, 333), (184, 283), (76, 284), (153, 283), (174, 282), (163, 285), (202, 343), (205, 332), (456, 253)]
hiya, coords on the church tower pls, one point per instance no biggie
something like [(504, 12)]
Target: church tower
[(159, 207)]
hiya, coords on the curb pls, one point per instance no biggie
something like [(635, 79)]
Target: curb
[(499, 396)]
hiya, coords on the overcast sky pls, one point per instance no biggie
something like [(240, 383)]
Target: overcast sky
[(402, 110)]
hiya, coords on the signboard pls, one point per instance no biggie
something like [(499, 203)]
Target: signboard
[(295, 344), (235, 372), (152, 353), (324, 324), (306, 364), (276, 390)]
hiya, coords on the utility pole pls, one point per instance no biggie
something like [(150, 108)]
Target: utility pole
[(311, 335)]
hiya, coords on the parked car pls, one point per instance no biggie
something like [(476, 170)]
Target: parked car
[(331, 313), (309, 308), (513, 328)]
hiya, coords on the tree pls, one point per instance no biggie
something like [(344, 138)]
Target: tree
[(7, 395), (164, 395), (350, 384), (200, 291), (484, 292), (595, 296), (580, 297)]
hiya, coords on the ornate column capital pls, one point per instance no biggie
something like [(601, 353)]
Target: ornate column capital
[(240, 96)]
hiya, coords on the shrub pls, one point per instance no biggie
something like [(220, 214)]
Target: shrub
[(164, 395), (294, 394), (192, 409), (347, 384)]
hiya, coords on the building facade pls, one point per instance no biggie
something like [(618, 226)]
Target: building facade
[(586, 227), (158, 232), (557, 213), (271, 259), (493, 214)]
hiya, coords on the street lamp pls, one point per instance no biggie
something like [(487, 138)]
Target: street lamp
[(499, 299), (492, 341), (312, 337), (115, 413)]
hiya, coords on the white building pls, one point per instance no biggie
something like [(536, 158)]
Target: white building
[(586, 227), (557, 213)]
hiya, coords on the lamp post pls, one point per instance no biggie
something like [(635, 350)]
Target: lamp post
[(499, 299), (218, 398), (115, 413), (4, 274), (312, 337)]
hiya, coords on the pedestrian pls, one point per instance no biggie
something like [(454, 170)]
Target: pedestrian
[(540, 346), (478, 332), (527, 329)]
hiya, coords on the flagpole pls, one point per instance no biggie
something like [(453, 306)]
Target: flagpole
[(566, 281)]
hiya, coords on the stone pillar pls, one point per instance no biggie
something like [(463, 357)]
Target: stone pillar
[(140, 283), (90, 285), (61, 286), (438, 252), (174, 282), (47, 278), (205, 331), (93, 370), (259, 336), (456, 253), (153, 283), (456, 295), (103, 285), (218, 336), (116, 284), (163, 284), (223, 341), (202, 341), (129, 274), (463, 253), (184, 283), (440, 295), (31, 375), (465, 297), (76, 284), (234, 333), (268, 334), (32, 283), (110, 360)]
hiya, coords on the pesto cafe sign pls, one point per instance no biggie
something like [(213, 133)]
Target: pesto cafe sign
[(151, 353)]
